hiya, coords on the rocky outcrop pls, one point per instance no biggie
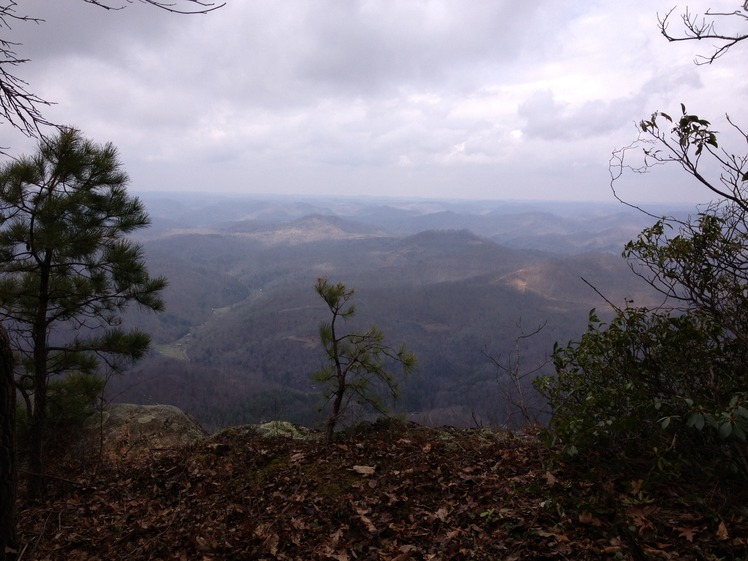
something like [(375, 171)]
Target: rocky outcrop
[(131, 430), (275, 429)]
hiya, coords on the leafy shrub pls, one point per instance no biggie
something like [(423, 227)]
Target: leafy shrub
[(654, 385)]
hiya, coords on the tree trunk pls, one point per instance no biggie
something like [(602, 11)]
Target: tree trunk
[(36, 484), (333, 419), (337, 405), (8, 473)]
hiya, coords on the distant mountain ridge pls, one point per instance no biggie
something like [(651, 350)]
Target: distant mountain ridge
[(453, 281), (312, 227)]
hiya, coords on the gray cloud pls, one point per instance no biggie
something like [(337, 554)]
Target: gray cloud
[(550, 119), (394, 96)]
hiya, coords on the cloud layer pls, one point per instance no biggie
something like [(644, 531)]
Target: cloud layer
[(427, 98)]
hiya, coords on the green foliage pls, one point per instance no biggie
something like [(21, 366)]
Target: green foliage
[(691, 131), (700, 262), (667, 384), (651, 384), (64, 215), (73, 399), (67, 268), (357, 363), (670, 384)]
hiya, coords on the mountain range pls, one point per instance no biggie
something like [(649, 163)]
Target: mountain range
[(461, 283)]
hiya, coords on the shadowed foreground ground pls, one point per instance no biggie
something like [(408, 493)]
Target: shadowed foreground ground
[(389, 492)]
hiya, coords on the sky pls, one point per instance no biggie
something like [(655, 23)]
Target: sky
[(473, 99)]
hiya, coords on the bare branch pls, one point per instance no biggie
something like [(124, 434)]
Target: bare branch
[(20, 107), (512, 379), (684, 141), (199, 7), (698, 28)]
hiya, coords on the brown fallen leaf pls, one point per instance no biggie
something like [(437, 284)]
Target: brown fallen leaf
[(407, 553), (550, 479), (557, 536), (687, 533), (640, 516), (336, 536), (722, 533), (367, 521), (364, 470), (453, 534), (271, 544)]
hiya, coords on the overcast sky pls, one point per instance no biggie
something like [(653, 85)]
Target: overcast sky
[(486, 99)]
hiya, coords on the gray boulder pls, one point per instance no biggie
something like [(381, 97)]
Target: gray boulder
[(126, 430)]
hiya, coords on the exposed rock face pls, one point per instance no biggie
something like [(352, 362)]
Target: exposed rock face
[(284, 428), (128, 429)]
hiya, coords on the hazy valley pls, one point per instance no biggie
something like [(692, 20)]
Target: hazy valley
[(454, 281)]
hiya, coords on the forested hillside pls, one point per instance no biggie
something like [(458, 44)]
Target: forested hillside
[(239, 338)]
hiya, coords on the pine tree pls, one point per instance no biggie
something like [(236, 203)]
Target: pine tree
[(356, 362), (68, 270)]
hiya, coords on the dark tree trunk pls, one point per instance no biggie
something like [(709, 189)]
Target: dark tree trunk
[(8, 473), (36, 483), (333, 420), (337, 404)]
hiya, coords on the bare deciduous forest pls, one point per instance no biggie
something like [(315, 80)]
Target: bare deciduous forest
[(457, 282)]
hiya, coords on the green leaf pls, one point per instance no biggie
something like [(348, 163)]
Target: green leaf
[(739, 433), (725, 430), (696, 421)]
